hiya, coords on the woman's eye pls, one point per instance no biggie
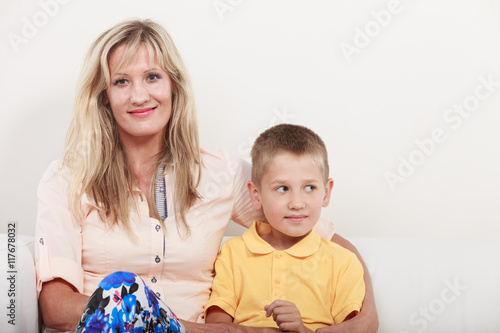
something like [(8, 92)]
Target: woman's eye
[(154, 77), (310, 188), (282, 189), (119, 82)]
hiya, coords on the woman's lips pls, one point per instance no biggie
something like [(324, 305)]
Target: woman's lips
[(142, 113)]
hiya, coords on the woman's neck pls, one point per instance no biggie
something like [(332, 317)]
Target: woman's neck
[(141, 153)]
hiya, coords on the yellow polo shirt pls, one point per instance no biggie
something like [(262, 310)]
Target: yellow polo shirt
[(323, 279)]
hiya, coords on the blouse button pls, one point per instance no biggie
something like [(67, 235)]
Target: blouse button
[(158, 227), (158, 295), (157, 259), (41, 241), (153, 280)]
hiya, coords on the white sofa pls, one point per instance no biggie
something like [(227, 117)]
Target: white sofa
[(18, 286), (421, 285)]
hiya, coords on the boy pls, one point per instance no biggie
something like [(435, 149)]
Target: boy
[(283, 268)]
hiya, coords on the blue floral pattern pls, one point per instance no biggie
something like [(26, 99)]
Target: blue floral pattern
[(124, 303), (116, 279)]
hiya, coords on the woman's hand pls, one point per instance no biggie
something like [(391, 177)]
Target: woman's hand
[(287, 316)]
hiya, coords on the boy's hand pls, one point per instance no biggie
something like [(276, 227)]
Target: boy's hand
[(287, 316)]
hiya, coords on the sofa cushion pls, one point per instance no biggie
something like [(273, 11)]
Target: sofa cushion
[(18, 285), (434, 285)]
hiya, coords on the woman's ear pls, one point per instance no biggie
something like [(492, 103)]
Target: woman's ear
[(254, 195), (105, 99)]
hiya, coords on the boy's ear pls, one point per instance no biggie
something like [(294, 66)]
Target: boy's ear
[(254, 195), (328, 192)]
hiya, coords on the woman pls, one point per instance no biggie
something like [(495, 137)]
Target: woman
[(135, 192)]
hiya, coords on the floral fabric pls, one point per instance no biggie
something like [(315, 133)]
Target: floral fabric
[(124, 303)]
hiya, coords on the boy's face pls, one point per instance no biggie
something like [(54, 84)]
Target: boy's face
[(292, 193)]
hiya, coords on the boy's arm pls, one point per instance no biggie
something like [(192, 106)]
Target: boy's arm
[(367, 319), (225, 328), (217, 320), (217, 315)]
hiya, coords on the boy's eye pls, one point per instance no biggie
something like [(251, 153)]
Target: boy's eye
[(310, 188), (282, 189)]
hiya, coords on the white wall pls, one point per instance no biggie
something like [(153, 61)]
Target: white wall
[(373, 78)]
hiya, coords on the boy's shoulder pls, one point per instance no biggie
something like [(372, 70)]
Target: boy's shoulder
[(335, 251), (232, 243), (249, 241)]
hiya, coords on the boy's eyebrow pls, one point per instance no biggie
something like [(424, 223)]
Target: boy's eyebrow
[(281, 181)]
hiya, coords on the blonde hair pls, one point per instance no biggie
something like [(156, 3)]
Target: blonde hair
[(295, 139), (94, 153)]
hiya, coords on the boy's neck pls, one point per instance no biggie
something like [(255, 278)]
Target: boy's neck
[(280, 241)]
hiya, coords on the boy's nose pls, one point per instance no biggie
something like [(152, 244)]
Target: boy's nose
[(296, 202)]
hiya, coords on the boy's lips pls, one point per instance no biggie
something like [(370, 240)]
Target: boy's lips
[(296, 218), (142, 113)]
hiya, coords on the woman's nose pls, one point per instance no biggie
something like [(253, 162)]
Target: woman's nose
[(139, 94)]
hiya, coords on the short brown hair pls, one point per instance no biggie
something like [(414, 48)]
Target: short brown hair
[(289, 138)]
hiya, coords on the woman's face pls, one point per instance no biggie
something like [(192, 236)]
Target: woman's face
[(140, 96)]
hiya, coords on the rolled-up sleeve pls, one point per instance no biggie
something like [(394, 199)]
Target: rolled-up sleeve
[(58, 250), (244, 212), (325, 228)]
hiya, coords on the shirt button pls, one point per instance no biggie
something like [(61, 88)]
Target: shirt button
[(41, 241), (158, 295), (277, 255), (277, 281), (157, 259), (153, 280), (158, 227)]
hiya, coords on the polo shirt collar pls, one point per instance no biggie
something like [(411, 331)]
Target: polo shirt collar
[(257, 245)]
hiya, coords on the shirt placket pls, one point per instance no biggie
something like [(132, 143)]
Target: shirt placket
[(157, 236), (156, 256), (278, 277)]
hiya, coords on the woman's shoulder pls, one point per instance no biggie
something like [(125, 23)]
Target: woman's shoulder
[(56, 173), (217, 154), (221, 159)]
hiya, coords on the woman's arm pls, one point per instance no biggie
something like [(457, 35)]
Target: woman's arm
[(367, 319), (58, 252), (61, 305)]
